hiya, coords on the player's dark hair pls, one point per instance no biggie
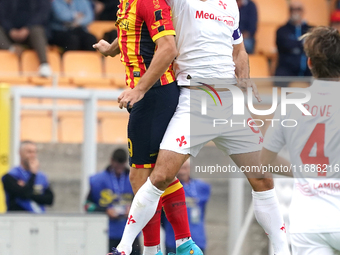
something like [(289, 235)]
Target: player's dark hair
[(119, 156), (322, 46)]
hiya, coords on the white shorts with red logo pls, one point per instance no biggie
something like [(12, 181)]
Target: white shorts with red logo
[(315, 243), (189, 130)]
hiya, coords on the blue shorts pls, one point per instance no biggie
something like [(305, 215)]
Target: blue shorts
[(149, 119)]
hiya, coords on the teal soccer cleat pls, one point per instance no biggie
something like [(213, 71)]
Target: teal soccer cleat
[(189, 248)]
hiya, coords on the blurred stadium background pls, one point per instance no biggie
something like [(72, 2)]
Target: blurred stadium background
[(64, 142)]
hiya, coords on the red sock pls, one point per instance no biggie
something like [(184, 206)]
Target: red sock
[(151, 231), (175, 209)]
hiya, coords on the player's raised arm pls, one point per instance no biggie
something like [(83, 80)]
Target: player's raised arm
[(164, 55), (241, 60)]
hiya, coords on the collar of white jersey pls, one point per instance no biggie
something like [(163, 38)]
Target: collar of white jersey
[(326, 84)]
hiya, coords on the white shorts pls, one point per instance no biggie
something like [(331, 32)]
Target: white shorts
[(316, 243), (189, 130)]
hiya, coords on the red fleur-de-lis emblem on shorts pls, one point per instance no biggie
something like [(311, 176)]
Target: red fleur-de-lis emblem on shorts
[(283, 228), (181, 141), (261, 140), (131, 220)]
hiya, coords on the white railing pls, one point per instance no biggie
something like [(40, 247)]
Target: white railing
[(89, 97)]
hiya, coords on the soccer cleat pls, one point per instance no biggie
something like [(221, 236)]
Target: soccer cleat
[(116, 252), (159, 253), (189, 248)]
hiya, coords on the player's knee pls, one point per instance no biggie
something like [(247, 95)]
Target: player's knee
[(161, 180), (262, 184)]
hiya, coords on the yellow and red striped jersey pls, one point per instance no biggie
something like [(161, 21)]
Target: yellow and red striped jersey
[(140, 23)]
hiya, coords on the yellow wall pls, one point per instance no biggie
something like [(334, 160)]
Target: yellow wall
[(4, 138)]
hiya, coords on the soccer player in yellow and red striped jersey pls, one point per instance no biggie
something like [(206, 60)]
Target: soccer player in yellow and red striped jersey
[(147, 48)]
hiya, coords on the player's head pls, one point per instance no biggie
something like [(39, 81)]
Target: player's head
[(118, 160), (184, 173), (322, 47), (28, 152), (296, 11)]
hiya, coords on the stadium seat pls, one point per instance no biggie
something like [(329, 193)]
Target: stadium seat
[(36, 126), (299, 84), (266, 39), (115, 71), (10, 68), (70, 127), (30, 65), (274, 11), (84, 69), (112, 127), (259, 70), (99, 28), (259, 67), (317, 12)]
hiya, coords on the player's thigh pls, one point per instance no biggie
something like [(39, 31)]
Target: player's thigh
[(239, 135), (148, 121), (138, 177), (310, 244)]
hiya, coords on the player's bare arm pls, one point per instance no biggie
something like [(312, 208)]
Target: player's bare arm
[(164, 55), (241, 60), (107, 49), (271, 158)]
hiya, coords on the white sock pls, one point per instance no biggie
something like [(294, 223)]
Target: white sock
[(268, 215), (143, 208), (151, 250), (181, 241)]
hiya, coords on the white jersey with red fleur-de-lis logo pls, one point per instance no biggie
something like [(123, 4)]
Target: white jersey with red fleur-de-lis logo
[(205, 34), (314, 149)]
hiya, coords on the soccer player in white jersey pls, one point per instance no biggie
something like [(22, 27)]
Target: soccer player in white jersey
[(210, 45), (314, 148)]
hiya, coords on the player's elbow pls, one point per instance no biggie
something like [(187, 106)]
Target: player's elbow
[(170, 51), (173, 52), (167, 46)]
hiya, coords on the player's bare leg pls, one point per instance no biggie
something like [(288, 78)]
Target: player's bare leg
[(167, 166), (266, 206), (147, 198), (138, 177)]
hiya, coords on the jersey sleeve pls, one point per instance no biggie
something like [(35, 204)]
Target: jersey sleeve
[(157, 17), (237, 35), (274, 139)]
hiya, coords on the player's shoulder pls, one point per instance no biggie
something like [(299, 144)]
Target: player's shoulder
[(152, 4)]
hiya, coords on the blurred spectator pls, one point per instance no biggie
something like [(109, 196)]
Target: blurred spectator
[(106, 9), (69, 22), (197, 194), (292, 59), (337, 4), (111, 192), (248, 23), (335, 20), (27, 189), (24, 22)]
